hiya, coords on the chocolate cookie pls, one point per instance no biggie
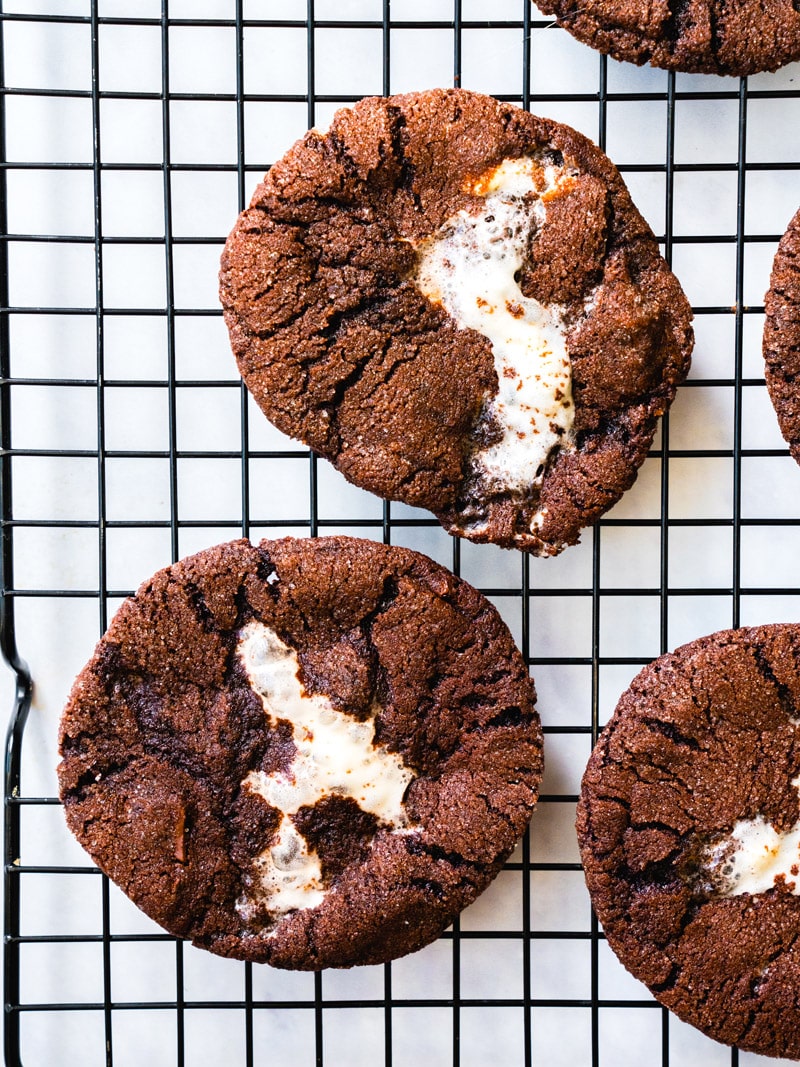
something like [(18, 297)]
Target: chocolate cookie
[(737, 37), (311, 753), (689, 826), (458, 304), (782, 336)]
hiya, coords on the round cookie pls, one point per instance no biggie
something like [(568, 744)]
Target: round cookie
[(459, 306), (781, 342), (689, 827), (736, 37), (311, 753)]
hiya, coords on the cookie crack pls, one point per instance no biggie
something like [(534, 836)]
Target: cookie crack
[(673, 27), (265, 570), (673, 733), (752, 1018), (397, 363), (277, 328), (407, 169), (656, 824), (669, 982), (198, 601), (92, 777), (382, 381), (430, 886), (500, 813), (297, 606), (716, 12), (622, 802), (658, 873), (509, 716), (782, 691), (390, 591), (339, 391), (376, 672), (689, 915), (418, 847)]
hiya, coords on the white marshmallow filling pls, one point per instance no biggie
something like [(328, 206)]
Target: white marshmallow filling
[(335, 755), (756, 857), (470, 268)]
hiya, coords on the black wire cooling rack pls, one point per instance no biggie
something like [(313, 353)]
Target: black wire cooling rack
[(133, 131)]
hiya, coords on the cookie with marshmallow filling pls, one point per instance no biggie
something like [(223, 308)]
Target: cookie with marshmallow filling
[(311, 753), (689, 826), (728, 37), (459, 306), (781, 340)]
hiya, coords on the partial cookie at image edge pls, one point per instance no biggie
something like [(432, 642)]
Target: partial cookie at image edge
[(689, 829), (704, 37), (781, 340)]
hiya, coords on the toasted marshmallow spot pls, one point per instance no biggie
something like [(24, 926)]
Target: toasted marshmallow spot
[(469, 267), (336, 755), (537, 522), (756, 857)]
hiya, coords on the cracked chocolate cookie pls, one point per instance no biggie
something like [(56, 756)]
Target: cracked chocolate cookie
[(737, 37), (689, 827), (458, 305), (782, 336), (310, 753)]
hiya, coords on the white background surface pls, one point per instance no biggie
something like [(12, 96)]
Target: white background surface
[(57, 633)]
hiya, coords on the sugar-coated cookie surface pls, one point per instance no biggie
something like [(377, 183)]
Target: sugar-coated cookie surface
[(459, 306), (312, 753), (689, 827), (781, 343), (736, 37)]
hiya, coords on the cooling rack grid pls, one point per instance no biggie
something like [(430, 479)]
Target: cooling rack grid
[(133, 131)]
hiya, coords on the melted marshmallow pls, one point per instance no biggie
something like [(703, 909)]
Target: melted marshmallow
[(756, 856), (290, 876), (336, 755), (469, 268)]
